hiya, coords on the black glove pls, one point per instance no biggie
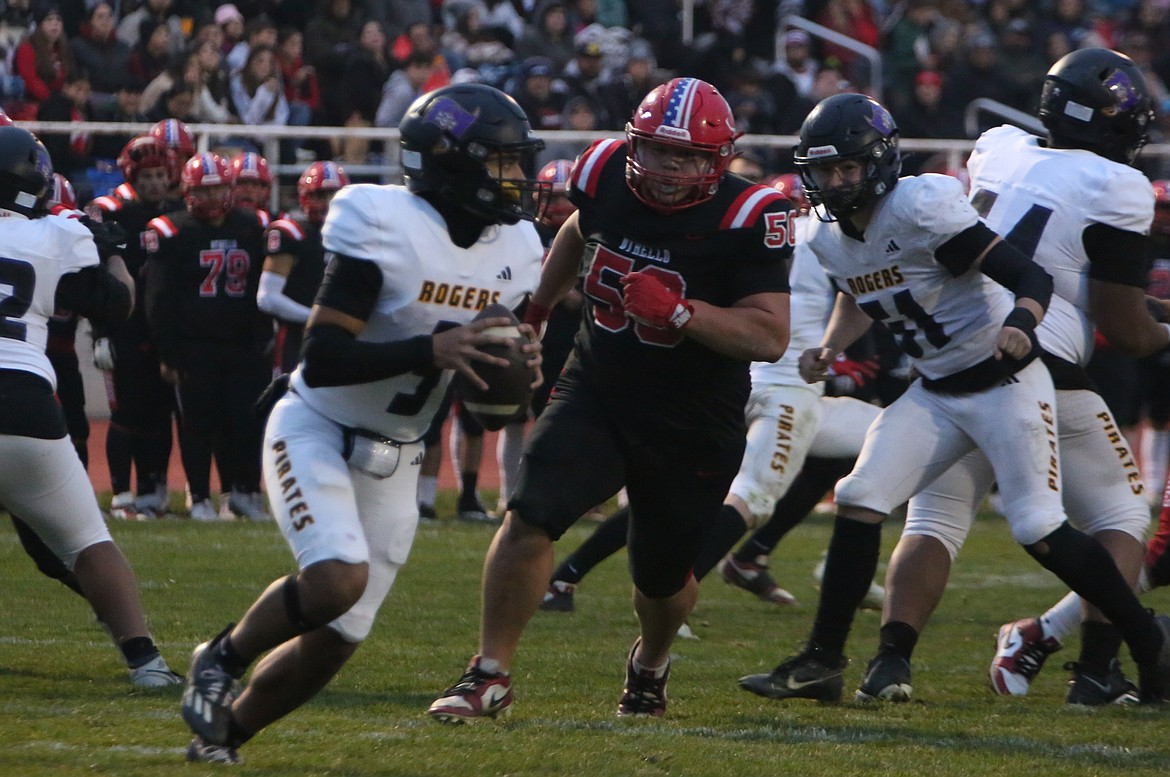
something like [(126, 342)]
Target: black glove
[(109, 236)]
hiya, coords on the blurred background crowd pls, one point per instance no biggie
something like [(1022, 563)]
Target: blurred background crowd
[(572, 64)]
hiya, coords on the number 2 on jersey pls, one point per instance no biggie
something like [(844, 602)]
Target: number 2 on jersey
[(18, 280)]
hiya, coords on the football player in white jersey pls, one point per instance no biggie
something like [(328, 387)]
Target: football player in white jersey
[(913, 253), (409, 268), (1074, 204), (51, 262)]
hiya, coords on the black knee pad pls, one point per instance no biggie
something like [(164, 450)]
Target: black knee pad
[(292, 605)]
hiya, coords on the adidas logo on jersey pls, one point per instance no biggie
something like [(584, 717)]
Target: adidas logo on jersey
[(417, 460), (892, 247), (504, 274)]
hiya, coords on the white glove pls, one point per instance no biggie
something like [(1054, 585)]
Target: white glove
[(103, 354)]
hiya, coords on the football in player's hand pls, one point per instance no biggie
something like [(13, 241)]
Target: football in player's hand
[(509, 390)]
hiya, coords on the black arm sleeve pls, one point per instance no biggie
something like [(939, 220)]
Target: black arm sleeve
[(332, 356), (350, 286), (1005, 265), (1117, 255), (95, 294), (961, 251)]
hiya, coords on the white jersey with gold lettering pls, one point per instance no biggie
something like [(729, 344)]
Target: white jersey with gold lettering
[(944, 323), (34, 254), (810, 303), (428, 283), (1041, 199)]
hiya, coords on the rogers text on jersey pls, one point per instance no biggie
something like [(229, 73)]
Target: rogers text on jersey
[(881, 279), (457, 295)]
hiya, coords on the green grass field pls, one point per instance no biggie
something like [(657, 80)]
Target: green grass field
[(66, 707)]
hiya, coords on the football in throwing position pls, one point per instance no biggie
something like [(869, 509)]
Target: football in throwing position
[(509, 390)]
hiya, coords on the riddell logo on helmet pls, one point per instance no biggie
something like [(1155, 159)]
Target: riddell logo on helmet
[(819, 152), (673, 132)]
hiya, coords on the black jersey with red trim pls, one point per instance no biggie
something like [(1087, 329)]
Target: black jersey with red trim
[(736, 244), (302, 241), (202, 281), (125, 208)]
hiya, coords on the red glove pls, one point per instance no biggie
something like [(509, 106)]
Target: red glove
[(648, 301), (535, 314), (858, 372)]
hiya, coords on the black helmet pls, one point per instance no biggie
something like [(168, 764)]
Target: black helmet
[(446, 138), (1096, 99), (849, 126), (25, 172)]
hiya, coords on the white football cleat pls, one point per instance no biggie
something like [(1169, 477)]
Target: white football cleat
[(154, 674)]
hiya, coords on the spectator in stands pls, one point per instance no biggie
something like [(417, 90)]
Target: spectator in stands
[(549, 35), (125, 107), (578, 116), (257, 94), (230, 22), (658, 22), (98, 52), (259, 31), (908, 51), (583, 77), (402, 88), (469, 43), (542, 99), (131, 32), (1025, 77), (798, 67), (188, 69), (928, 115), (420, 39), (331, 35), (621, 95), (301, 89), (502, 19), (365, 72), (70, 152), (1073, 19), (855, 18), (216, 81), (752, 104), (400, 15), (44, 59), (979, 74), (286, 13), (177, 103), (152, 53)]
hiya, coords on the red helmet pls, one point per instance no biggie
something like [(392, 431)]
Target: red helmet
[(141, 153), (558, 208), (790, 185), (689, 114), (319, 177), (251, 169), (61, 193), (205, 171), (1161, 225), (177, 137), (5, 119)]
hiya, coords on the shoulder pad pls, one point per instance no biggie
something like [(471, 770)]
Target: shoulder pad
[(288, 227), (745, 210), (164, 226), (108, 204), (126, 192), (587, 169)]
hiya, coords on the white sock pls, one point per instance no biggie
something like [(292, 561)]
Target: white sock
[(489, 665), (1062, 618), (657, 671), (509, 448), (428, 487)]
